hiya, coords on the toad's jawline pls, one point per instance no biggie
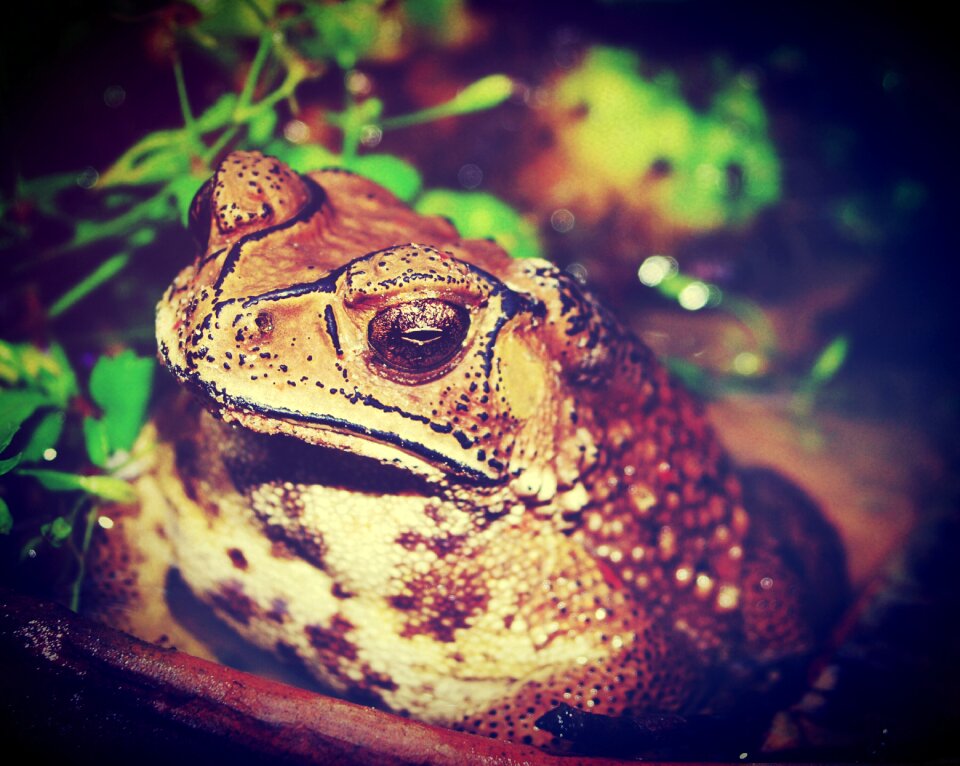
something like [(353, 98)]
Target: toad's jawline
[(345, 426)]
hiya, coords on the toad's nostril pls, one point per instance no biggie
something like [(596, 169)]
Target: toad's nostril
[(264, 322)]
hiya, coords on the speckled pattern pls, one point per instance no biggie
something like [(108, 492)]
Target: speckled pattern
[(443, 480)]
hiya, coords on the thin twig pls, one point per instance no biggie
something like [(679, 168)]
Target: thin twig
[(77, 585)]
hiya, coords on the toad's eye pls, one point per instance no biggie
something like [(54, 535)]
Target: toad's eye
[(199, 219), (419, 335)]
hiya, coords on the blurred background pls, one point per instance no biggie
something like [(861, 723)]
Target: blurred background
[(762, 191)]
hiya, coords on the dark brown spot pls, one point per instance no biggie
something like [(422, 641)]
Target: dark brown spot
[(330, 643), (237, 557), (441, 545), (280, 550), (403, 603), (340, 592), (296, 542), (187, 462), (441, 602), (232, 601), (278, 611), (380, 680)]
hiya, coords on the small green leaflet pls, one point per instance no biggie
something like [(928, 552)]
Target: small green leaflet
[(57, 531), (6, 520), (106, 487), (120, 385), (478, 215)]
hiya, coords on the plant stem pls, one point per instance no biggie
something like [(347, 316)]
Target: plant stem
[(77, 585), (140, 214), (256, 67), (755, 320), (88, 284), (348, 124), (189, 120), (185, 111)]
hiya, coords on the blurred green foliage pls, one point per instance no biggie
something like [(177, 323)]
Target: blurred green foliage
[(478, 215), (719, 166)]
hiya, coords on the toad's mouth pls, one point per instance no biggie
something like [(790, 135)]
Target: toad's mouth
[(352, 461), (277, 459), (384, 447)]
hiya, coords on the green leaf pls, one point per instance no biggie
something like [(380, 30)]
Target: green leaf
[(478, 215), (397, 175), (6, 519), (120, 385), (110, 488), (44, 436), (57, 531), (485, 93), (830, 361), (161, 165), (97, 441), (366, 112), (260, 128), (121, 171), (432, 13), (47, 370), (303, 157), (344, 31), (8, 429), (57, 377), (45, 187), (10, 368), (15, 408), (219, 114), (107, 487), (10, 463), (230, 18), (55, 480), (117, 200), (104, 272), (155, 157), (183, 190), (141, 237)]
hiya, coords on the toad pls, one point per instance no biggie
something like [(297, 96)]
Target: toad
[(443, 480)]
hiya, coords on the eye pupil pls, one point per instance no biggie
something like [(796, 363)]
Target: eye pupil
[(427, 335), (419, 335)]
